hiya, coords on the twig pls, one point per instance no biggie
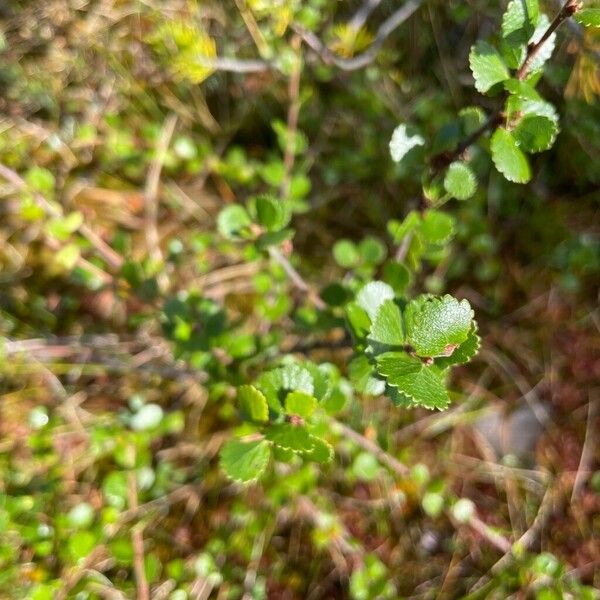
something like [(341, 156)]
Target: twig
[(137, 540), (151, 189), (362, 60), (235, 65), (363, 13), (292, 119), (589, 447)]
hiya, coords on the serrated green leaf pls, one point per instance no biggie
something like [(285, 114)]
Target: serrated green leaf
[(399, 399), (520, 20), (253, 403), (373, 295), (508, 157), (464, 352), (300, 403), (487, 66), (363, 376), (471, 118), (346, 253), (460, 181), (290, 437), (404, 139), (233, 221), (535, 133), (321, 452), (387, 327), (588, 17), (271, 213), (437, 227), (276, 383), (245, 461), (433, 324), (422, 384)]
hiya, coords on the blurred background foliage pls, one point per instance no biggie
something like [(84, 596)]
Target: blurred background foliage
[(126, 318)]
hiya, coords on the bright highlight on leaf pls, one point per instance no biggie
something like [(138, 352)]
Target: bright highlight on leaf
[(520, 20), (373, 295), (301, 404), (387, 327), (253, 403), (404, 139), (588, 17)]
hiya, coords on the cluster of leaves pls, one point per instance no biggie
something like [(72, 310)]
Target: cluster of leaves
[(284, 409)]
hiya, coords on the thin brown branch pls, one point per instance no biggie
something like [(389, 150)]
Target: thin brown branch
[(137, 541)]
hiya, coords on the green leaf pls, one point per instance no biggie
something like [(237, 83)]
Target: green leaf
[(471, 118), (397, 275), (372, 250), (404, 139), (358, 319), (520, 20), (373, 295), (273, 238), (435, 324), (301, 404), (274, 384), (422, 384), (437, 227), (487, 66), (253, 403), (346, 254), (321, 452), (233, 222), (460, 181), (363, 376), (245, 461), (537, 127), (588, 17), (464, 352), (290, 437), (271, 213), (508, 157), (546, 50), (387, 327)]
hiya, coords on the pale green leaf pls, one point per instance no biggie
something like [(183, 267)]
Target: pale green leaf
[(300, 403), (387, 326), (346, 253), (487, 66), (245, 461), (433, 325), (546, 50), (437, 227), (253, 403), (464, 352), (508, 157), (270, 213), (460, 181), (233, 221), (404, 139)]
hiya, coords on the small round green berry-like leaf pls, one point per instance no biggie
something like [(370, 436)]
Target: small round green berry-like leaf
[(346, 254), (437, 227), (253, 403), (245, 461), (508, 158), (301, 404), (460, 181)]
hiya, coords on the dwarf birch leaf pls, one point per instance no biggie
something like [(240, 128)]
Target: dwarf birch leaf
[(588, 17), (520, 20), (301, 404), (404, 139), (423, 384), (508, 157), (373, 295), (434, 324), (487, 66), (253, 403), (460, 181), (387, 327), (245, 461), (290, 437), (464, 352)]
